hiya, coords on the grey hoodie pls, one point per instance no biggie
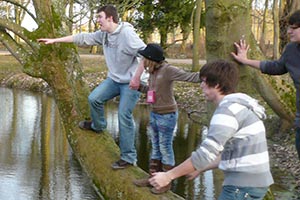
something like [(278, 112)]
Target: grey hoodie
[(237, 133), (120, 49)]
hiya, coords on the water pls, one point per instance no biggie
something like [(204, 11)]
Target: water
[(36, 161)]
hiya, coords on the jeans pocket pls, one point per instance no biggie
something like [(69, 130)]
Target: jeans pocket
[(255, 193)]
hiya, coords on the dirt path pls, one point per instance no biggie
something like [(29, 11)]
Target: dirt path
[(170, 60)]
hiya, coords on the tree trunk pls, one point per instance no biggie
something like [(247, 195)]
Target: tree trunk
[(227, 22), (60, 67), (196, 36), (262, 40), (163, 37), (276, 30)]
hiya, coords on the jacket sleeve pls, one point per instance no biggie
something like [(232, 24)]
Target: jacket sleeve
[(177, 74), (223, 126), (276, 67), (89, 39)]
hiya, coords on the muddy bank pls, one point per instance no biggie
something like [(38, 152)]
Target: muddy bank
[(281, 145)]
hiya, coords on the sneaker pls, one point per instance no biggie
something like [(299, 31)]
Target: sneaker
[(121, 164), (87, 125)]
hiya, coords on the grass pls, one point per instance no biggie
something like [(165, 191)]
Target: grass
[(8, 64), (92, 64)]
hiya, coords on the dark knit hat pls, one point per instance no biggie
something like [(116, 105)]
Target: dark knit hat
[(153, 52)]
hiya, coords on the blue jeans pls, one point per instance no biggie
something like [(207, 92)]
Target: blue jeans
[(297, 141), (163, 126), (107, 90), (230, 192)]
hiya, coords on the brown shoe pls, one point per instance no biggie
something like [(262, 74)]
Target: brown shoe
[(154, 166), (87, 125), (167, 187), (144, 182), (161, 190), (121, 164)]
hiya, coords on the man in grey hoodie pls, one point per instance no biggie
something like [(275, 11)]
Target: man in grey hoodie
[(236, 140), (120, 47)]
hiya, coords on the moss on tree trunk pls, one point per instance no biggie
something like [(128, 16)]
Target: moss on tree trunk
[(228, 21)]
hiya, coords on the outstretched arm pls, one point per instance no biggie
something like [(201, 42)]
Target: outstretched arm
[(66, 39), (212, 165), (161, 179), (241, 54)]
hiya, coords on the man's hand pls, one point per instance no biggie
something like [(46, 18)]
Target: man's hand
[(46, 40), (134, 83), (159, 180), (242, 49)]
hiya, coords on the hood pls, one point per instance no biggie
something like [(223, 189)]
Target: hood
[(247, 101), (121, 26)]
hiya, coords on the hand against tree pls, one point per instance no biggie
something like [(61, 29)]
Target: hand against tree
[(241, 51), (46, 40)]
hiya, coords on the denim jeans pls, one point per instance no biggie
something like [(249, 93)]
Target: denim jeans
[(230, 192), (163, 126), (107, 90), (297, 141)]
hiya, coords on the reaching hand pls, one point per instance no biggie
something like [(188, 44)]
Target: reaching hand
[(242, 49), (159, 180), (46, 40)]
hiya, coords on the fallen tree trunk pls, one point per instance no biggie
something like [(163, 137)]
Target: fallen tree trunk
[(96, 152)]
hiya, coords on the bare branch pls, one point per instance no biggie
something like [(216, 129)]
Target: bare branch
[(14, 48), (175, 41), (18, 30), (23, 7)]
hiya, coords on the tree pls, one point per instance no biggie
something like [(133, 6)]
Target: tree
[(275, 11), (145, 18), (196, 35), (287, 7), (164, 16), (60, 67), (229, 21), (262, 40)]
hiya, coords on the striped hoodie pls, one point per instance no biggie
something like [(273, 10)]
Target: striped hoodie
[(238, 133)]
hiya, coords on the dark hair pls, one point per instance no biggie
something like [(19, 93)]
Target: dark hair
[(295, 18), (110, 11), (223, 73)]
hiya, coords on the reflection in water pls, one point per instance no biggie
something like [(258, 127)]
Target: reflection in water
[(187, 137), (36, 161)]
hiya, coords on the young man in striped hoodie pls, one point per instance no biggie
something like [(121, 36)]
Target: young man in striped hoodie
[(236, 140)]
